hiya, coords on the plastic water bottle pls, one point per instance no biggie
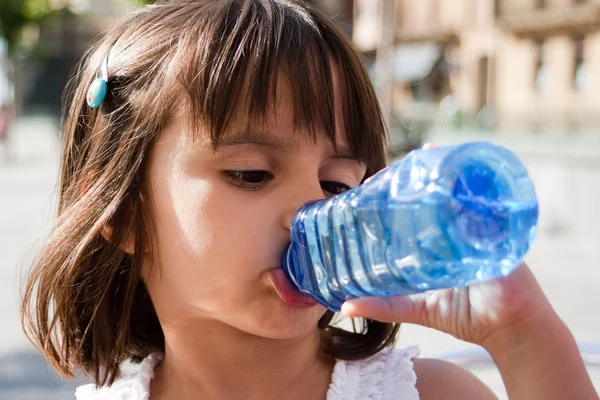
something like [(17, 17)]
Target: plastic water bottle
[(438, 218)]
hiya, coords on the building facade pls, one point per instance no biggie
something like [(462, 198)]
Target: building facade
[(515, 65)]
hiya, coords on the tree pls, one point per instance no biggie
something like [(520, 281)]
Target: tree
[(15, 15)]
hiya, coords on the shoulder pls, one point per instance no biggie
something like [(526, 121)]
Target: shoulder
[(437, 379), (388, 374), (133, 387)]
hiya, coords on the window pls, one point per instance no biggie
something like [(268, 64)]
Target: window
[(580, 77), (541, 80), (497, 8)]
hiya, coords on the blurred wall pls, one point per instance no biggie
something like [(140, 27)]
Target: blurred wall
[(534, 64)]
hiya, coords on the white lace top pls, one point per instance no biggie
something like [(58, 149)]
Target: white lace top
[(388, 375)]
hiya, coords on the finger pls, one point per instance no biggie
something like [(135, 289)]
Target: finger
[(427, 146), (386, 309)]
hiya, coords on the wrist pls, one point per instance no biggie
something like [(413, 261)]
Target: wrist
[(539, 329), (539, 358)]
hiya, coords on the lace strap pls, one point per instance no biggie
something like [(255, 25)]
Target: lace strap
[(136, 387), (386, 375)]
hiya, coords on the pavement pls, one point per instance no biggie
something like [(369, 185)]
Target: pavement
[(27, 204), (565, 256)]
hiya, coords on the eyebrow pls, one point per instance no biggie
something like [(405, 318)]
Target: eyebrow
[(270, 140)]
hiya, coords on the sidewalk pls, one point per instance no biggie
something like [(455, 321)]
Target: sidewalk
[(27, 204)]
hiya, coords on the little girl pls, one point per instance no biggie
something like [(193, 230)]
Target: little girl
[(177, 188)]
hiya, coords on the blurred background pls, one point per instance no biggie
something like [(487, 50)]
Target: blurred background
[(521, 73)]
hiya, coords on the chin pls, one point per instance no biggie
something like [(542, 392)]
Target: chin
[(286, 322)]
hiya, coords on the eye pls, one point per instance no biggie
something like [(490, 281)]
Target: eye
[(334, 187), (248, 179)]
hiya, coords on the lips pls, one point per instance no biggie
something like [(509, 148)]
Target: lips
[(286, 292)]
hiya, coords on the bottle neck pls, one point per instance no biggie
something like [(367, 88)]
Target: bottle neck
[(289, 263)]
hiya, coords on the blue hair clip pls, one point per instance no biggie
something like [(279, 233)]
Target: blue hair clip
[(99, 88)]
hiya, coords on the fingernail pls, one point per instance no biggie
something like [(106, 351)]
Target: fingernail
[(348, 309)]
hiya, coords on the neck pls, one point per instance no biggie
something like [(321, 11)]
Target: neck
[(225, 363)]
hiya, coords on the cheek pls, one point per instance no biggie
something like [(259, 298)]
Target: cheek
[(212, 242), (183, 221)]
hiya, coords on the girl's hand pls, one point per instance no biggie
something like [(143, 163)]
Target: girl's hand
[(476, 313), (511, 318)]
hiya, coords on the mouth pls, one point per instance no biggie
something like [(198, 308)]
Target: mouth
[(287, 293)]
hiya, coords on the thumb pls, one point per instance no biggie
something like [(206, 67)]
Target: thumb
[(388, 309)]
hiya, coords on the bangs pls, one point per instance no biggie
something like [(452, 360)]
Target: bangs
[(237, 59)]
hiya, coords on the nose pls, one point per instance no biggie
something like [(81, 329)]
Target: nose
[(298, 195)]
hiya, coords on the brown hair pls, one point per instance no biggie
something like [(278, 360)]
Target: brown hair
[(85, 304)]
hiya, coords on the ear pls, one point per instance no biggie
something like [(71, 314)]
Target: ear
[(107, 231), (128, 247)]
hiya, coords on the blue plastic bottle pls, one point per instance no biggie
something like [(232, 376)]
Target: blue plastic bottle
[(438, 218)]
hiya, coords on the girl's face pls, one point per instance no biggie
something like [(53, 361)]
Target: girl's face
[(223, 218)]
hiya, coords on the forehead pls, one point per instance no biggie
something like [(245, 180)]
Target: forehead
[(287, 140)]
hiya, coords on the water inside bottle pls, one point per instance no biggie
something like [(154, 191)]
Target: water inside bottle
[(443, 241), (445, 234)]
